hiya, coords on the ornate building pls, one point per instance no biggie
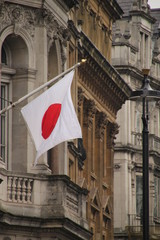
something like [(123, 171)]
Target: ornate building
[(69, 193), (101, 93), (136, 47)]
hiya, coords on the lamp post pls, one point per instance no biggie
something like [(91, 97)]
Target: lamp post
[(145, 94)]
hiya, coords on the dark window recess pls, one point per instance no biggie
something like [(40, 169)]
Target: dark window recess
[(3, 56)]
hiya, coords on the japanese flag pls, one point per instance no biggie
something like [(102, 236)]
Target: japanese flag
[(51, 117)]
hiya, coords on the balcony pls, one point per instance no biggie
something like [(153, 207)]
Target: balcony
[(135, 229), (154, 142), (42, 203)]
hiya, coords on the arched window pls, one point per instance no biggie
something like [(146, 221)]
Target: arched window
[(3, 120), (3, 103), (14, 75)]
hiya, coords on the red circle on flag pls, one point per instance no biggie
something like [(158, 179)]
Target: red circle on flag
[(50, 119)]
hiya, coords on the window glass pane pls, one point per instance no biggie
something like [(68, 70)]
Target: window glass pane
[(139, 192), (3, 56), (3, 121)]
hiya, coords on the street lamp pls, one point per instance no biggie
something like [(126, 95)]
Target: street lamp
[(145, 94)]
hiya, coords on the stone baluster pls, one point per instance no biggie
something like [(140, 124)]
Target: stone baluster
[(19, 189), (29, 188), (14, 190), (9, 188), (24, 190)]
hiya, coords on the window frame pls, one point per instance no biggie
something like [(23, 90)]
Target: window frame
[(156, 199), (6, 77)]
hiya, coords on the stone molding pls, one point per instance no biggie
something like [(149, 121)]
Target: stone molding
[(98, 76), (112, 9), (29, 18)]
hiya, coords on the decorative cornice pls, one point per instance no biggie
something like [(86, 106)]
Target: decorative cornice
[(111, 8), (73, 29), (102, 79), (40, 226), (142, 14), (129, 70), (121, 42)]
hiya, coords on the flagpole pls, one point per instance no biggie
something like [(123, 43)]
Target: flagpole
[(41, 87)]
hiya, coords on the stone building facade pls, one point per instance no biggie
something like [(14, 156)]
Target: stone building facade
[(136, 47), (69, 193), (101, 93)]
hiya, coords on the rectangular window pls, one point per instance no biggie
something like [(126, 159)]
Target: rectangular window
[(3, 121), (141, 48), (139, 195), (157, 197), (144, 49)]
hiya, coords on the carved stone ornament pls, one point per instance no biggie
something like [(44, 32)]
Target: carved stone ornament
[(28, 18), (80, 98), (55, 30), (89, 112), (112, 130), (20, 17), (117, 166), (101, 122)]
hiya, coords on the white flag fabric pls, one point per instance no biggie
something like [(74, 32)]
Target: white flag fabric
[(51, 117)]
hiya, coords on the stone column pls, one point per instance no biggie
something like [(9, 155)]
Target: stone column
[(89, 110), (112, 130), (41, 78)]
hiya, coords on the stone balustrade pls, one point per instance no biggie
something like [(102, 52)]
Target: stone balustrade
[(41, 203), (154, 141), (42, 196), (19, 189)]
